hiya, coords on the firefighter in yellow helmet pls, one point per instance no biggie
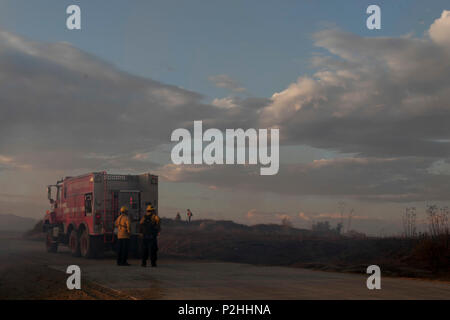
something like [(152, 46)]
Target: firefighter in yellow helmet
[(150, 229), (123, 235)]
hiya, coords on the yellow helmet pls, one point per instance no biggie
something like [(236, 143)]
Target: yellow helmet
[(123, 209), (150, 208)]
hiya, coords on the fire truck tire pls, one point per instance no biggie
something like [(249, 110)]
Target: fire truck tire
[(74, 244), (90, 246), (50, 244)]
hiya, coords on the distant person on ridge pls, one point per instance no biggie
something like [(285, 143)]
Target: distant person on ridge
[(150, 229), (123, 235), (189, 215), (178, 217)]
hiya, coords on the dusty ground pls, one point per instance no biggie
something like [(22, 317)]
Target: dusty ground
[(25, 274), (28, 272)]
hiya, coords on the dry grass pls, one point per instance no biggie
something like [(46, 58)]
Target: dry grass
[(282, 245)]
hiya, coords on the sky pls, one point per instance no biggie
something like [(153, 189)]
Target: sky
[(362, 113)]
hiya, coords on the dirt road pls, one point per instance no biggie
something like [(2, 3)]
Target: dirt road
[(28, 272)]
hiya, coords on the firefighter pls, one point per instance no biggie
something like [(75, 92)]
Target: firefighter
[(150, 229), (189, 215), (123, 235)]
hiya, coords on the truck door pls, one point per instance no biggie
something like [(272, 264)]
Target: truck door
[(131, 200)]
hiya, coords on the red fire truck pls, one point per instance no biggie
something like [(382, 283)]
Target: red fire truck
[(84, 208)]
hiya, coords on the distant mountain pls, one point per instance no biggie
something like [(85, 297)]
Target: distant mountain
[(11, 222)]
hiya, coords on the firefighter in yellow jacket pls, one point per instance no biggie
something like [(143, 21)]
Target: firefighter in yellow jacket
[(150, 229), (123, 235)]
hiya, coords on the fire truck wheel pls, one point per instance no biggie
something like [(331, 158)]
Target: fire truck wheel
[(52, 246), (86, 245), (74, 244)]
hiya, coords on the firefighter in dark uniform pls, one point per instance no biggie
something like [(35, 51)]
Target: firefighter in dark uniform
[(150, 228)]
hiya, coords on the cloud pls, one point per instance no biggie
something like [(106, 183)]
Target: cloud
[(379, 97), (11, 163), (369, 179), (59, 104), (303, 216), (227, 103), (226, 82), (251, 213), (440, 30)]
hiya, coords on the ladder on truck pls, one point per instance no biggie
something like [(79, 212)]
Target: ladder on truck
[(108, 215)]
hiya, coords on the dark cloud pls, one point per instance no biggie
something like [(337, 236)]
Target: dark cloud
[(60, 104), (56, 98), (372, 179)]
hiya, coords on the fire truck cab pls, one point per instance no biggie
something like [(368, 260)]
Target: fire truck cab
[(84, 208)]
